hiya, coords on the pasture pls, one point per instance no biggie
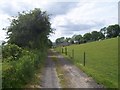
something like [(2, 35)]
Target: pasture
[(101, 60)]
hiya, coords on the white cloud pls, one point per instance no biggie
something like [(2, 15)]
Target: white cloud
[(95, 13), (3, 23)]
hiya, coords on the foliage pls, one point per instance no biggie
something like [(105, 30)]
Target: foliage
[(78, 38), (11, 52), (26, 47), (18, 73), (49, 43), (30, 29), (68, 39), (96, 35), (87, 37), (113, 31), (60, 40), (103, 31)]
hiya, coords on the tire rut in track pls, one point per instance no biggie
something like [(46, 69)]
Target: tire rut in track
[(49, 77)]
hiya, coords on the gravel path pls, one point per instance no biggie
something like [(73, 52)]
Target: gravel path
[(75, 77), (50, 79)]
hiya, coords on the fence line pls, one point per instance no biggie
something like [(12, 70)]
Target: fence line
[(65, 51)]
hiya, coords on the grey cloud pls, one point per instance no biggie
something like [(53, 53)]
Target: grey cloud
[(11, 10), (7, 9), (81, 27), (57, 8), (67, 32), (76, 27), (54, 8)]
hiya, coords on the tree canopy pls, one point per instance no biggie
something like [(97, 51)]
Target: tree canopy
[(87, 37), (60, 40), (113, 31), (30, 29), (97, 35)]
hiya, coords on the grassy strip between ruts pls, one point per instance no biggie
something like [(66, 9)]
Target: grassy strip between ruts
[(60, 72)]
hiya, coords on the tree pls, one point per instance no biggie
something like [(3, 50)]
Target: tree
[(87, 37), (60, 40), (113, 31), (97, 35), (78, 38), (68, 39), (103, 31), (72, 41), (101, 35), (30, 29), (50, 43)]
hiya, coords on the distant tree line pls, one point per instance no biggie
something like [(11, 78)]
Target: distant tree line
[(107, 32)]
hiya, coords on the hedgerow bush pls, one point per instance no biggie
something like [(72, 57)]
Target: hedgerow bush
[(11, 52), (17, 73)]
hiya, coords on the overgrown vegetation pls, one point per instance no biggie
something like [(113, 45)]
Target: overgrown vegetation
[(19, 71), (26, 47), (11, 52), (101, 60)]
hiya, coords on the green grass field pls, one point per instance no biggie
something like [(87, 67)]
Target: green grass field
[(101, 60)]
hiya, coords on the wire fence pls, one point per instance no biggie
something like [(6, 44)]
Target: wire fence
[(73, 55)]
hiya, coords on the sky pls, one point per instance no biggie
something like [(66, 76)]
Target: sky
[(68, 17)]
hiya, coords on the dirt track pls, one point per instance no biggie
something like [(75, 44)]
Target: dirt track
[(50, 79), (74, 78)]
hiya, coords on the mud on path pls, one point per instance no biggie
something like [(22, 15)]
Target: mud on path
[(72, 77)]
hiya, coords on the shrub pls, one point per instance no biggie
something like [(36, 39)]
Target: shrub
[(11, 52), (18, 73), (19, 65)]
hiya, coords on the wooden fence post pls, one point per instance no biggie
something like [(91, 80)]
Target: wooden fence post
[(66, 50), (84, 58), (62, 50), (72, 53)]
